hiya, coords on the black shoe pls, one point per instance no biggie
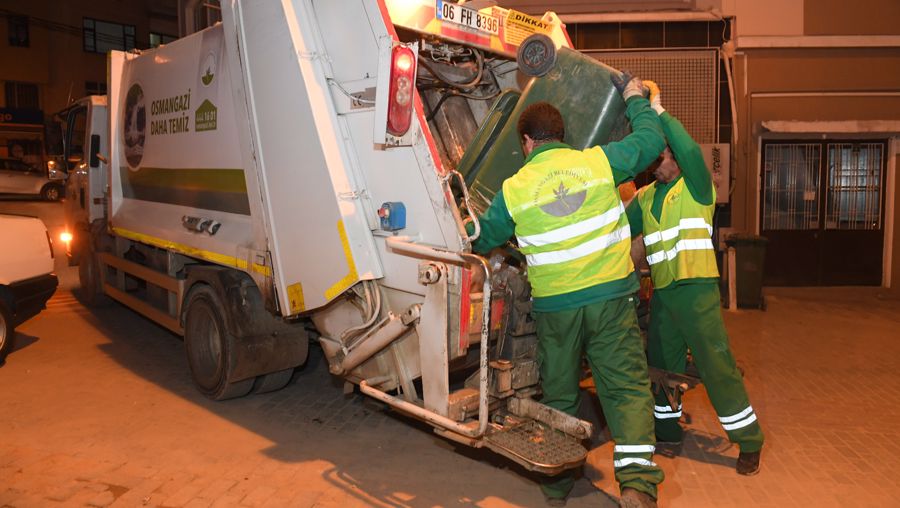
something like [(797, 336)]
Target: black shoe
[(632, 498), (678, 442), (748, 463), (669, 449), (554, 501)]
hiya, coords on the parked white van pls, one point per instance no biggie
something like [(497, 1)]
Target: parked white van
[(27, 280)]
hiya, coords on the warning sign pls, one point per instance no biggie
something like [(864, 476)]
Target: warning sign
[(520, 25)]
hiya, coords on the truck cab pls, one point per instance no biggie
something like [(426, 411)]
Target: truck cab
[(85, 131)]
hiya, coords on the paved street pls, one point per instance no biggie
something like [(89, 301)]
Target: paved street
[(97, 409)]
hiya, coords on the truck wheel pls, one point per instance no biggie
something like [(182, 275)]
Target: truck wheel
[(273, 381), (210, 348), (7, 332), (91, 291), (51, 192)]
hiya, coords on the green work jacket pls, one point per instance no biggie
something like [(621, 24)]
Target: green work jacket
[(662, 208), (570, 222), (626, 158)]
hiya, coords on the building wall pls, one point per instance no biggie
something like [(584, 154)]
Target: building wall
[(830, 88), (840, 83), (754, 17), (840, 17), (55, 58), (894, 251), (811, 61)]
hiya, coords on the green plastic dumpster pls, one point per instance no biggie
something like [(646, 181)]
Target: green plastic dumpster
[(579, 86), (750, 257)]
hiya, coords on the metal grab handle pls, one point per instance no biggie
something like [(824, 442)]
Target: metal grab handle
[(403, 245), (472, 215)]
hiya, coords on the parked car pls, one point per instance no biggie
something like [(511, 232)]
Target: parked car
[(27, 280), (18, 177)]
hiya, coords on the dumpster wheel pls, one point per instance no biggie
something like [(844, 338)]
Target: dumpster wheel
[(536, 55)]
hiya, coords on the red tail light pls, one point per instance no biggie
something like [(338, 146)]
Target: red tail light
[(403, 86)]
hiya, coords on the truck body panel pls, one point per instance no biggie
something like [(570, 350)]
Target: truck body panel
[(168, 168)]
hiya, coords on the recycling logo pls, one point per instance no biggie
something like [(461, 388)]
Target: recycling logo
[(564, 201), (208, 71)]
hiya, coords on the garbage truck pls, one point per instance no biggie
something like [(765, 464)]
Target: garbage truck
[(301, 172)]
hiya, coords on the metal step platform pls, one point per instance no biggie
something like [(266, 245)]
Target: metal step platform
[(537, 447)]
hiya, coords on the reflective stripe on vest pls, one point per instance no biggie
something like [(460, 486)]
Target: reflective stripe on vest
[(570, 222), (679, 245)]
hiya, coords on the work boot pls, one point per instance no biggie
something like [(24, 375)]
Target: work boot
[(748, 463), (669, 449), (632, 498), (554, 501)]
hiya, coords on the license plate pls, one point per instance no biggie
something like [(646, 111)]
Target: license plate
[(460, 15)]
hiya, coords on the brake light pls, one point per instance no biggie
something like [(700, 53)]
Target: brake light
[(402, 88)]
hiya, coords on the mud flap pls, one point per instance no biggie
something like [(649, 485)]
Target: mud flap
[(264, 343)]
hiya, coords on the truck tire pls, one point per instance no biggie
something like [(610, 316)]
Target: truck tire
[(51, 192), (273, 381), (7, 332), (91, 291), (210, 346)]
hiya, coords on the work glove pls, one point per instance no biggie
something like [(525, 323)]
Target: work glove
[(655, 102), (627, 85)]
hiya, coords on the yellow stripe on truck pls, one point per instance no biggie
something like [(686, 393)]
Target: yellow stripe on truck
[(349, 279), (187, 250)]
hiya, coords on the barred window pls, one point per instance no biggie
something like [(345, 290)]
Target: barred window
[(18, 31), (22, 95)]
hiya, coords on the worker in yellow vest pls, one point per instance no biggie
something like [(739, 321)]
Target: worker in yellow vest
[(564, 209), (675, 216)]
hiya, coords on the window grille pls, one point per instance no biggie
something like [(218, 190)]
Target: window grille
[(854, 186), (791, 184), (688, 79), (22, 95)]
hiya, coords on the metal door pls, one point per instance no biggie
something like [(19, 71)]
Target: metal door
[(823, 212)]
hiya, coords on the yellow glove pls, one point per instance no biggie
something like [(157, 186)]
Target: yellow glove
[(654, 96)]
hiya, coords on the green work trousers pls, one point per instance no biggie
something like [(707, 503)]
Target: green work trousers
[(689, 316), (607, 334)]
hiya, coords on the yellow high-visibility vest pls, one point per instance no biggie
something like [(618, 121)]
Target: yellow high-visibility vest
[(679, 245), (570, 222)]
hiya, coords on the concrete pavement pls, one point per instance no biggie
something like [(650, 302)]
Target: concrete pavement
[(97, 409)]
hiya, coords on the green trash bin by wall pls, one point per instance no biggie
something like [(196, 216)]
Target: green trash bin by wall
[(580, 87), (750, 257)]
